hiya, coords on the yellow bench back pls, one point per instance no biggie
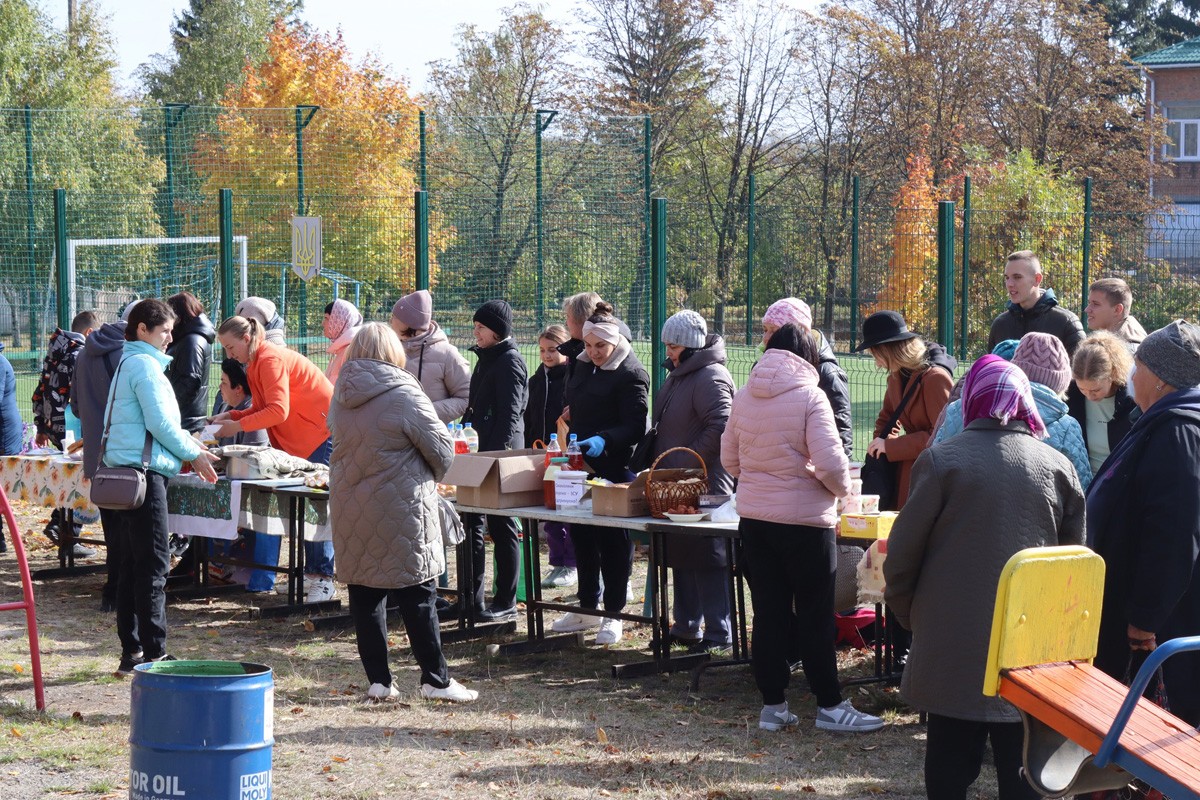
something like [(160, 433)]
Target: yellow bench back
[(1047, 609)]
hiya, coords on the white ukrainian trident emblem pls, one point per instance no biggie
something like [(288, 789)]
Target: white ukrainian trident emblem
[(306, 247)]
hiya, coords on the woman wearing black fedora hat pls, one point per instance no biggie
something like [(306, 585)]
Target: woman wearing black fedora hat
[(916, 393)]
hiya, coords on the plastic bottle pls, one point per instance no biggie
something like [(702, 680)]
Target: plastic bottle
[(472, 437), (553, 450), (556, 465), (460, 441), (574, 454)]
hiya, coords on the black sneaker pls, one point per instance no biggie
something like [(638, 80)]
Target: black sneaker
[(163, 657), (128, 662), (496, 614)]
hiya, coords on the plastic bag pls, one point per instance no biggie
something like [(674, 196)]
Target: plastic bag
[(726, 512), (870, 573)]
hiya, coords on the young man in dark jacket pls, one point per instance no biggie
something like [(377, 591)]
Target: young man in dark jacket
[(1032, 308), (94, 369), (496, 409)]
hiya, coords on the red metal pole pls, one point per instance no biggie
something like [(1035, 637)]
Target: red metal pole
[(35, 652)]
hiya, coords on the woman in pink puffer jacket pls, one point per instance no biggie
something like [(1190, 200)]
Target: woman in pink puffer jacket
[(782, 445)]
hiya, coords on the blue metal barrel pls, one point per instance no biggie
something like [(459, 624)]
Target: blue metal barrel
[(201, 730)]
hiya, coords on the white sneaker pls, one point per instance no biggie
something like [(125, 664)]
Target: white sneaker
[(454, 693), (568, 576), (379, 693), (770, 719), (845, 718), (319, 590), (572, 621), (610, 631)]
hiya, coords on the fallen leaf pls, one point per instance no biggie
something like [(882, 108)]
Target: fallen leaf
[(611, 749), (308, 625), (297, 710), (601, 736), (212, 633), (869, 747), (76, 715), (17, 668), (340, 759), (694, 759), (807, 789), (15, 732), (682, 722), (326, 768), (389, 732), (875, 789)]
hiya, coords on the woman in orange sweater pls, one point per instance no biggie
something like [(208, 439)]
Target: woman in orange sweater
[(290, 399)]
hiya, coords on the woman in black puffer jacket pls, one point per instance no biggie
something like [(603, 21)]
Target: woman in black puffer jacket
[(607, 390), (496, 408), (191, 359)]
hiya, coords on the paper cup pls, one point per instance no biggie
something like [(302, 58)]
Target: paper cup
[(870, 503)]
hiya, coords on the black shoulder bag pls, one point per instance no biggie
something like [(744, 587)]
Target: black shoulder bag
[(880, 476), (119, 488), (643, 454)]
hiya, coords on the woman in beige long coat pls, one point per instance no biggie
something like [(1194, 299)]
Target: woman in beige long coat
[(389, 451)]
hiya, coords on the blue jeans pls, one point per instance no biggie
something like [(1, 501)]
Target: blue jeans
[(318, 556)]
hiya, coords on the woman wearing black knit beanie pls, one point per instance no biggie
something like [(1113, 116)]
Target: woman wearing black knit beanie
[(496, 409)]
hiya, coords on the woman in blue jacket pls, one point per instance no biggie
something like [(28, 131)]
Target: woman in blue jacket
[(141, 407)]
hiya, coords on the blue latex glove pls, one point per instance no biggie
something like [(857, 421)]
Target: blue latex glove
[(592, 446)]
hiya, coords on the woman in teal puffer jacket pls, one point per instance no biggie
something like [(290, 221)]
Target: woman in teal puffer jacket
[(141, 407), (1044, 361)]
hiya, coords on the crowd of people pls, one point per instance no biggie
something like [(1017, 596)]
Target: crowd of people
[(1055, 437)]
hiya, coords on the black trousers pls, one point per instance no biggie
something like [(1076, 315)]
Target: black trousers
[(418, 609), (794, 567), (954, 754), (505, 534), (111, 526), (607, 552), (142, 581)]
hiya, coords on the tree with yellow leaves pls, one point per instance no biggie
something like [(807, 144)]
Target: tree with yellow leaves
[(910, 283), (359, 135)]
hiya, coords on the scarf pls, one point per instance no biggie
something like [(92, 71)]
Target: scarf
[(995, 388), (343, 315)]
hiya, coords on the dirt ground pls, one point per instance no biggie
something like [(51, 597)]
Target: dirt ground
[(553, 725)]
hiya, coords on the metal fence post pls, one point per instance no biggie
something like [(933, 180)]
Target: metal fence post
[(854, 258), (421, 213), (750, 261), (30, 229), (658, 285), (964, 298), (421, 131), (1085, 278), (647, 222), (945, 284), (63, 280), (302, 207), (172, 114), (538, 128), (225, 218)]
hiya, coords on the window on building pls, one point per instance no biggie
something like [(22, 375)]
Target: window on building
[(1183, 130)]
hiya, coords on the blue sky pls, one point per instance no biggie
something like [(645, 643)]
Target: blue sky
[(405, 34)]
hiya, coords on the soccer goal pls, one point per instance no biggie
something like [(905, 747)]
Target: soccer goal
[(107, 273)]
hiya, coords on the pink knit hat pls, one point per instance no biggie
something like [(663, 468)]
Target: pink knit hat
[(415, 311), (1042, 357), (789, 309)]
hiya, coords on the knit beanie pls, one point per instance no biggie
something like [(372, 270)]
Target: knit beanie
[(415, 311), (496, 315), (127, 309), (1043, 359), (686, 329), (342, 317), (789, 309), (1173, 354), (259, 308), (1006, 349)]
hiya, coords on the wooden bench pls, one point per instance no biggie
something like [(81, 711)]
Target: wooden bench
[(1084, 731)]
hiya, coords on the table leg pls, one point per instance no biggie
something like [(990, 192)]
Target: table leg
[(885, 654), (66, 555)]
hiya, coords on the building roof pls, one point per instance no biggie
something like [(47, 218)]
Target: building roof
[(1179, 54)]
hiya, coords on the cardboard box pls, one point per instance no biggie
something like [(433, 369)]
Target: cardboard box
[(498, 478), (621, 499), (867, 526)]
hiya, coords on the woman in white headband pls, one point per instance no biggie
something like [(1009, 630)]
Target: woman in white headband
[(608, 391)]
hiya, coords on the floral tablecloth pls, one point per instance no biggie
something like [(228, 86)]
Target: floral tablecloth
[(194, 508), (50, 481)]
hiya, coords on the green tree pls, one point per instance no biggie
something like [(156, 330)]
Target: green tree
[(212, 41), (1143, 26), (83, 140)]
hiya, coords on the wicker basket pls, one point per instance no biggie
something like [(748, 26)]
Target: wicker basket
[(664, 494)]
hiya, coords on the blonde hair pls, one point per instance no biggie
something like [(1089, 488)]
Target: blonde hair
[(580, 307), (1102, 356), (910, 354), (378, 342), (242, 326), (555, 333)]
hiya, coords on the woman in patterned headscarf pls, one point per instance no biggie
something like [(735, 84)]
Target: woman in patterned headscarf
[(975, 500)]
